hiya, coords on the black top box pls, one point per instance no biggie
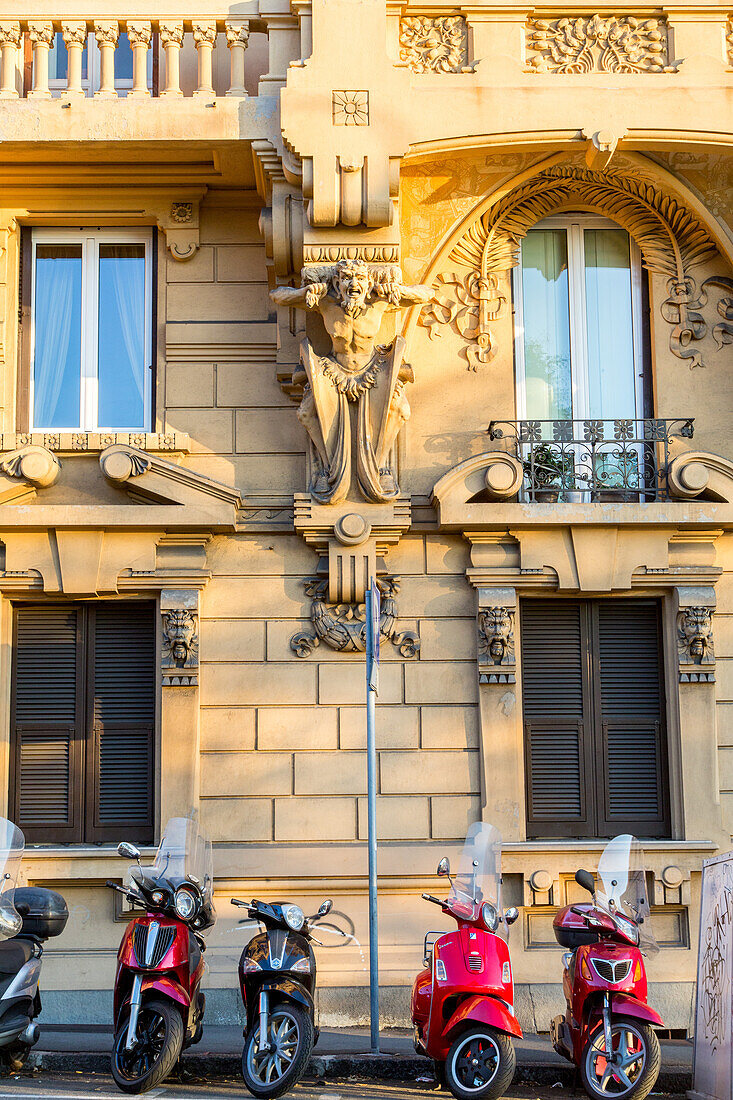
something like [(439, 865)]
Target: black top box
[(44, 912)]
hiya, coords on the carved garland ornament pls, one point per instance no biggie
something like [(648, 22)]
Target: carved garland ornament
[(343, 626), (434, 45), (614, 44), (671, 240)]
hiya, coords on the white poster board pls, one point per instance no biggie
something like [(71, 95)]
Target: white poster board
[(713, 1062)]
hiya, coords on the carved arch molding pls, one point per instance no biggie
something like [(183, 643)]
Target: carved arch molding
[(672, 240)]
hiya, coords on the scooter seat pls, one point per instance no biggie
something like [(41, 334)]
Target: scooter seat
[(14, 954)]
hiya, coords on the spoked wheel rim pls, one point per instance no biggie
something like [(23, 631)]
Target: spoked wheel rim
[(476, 1062), (150, 1043), (618, 1076), (270, 1066)]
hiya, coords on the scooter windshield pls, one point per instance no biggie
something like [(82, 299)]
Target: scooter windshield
[(622, 871), (12, 845), (478, 879), (184, 853)]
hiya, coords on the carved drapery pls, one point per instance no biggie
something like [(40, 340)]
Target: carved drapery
[(671, 239), (342, 626), (606, 44)]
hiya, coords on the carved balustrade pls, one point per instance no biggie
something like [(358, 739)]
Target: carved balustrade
[(596, 460)]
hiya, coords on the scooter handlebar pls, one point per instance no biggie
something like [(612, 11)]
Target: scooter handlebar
[(435, 901)]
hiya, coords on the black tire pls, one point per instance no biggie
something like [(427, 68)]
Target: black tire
[(151, 1060), (641, 1073), (266, 1075), (481, 1064)]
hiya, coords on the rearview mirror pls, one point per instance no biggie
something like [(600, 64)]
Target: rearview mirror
[(444, 867), (325, 908), (511, 914), (128, 851), (586, 880)]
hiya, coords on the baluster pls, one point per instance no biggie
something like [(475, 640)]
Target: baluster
[(171, 38), (106, 33), (41, 36), (75, 39), (204, 35), (138, 33), (237, 37), (9, 44)]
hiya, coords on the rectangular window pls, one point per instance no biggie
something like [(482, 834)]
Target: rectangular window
[(91, 344), (593, 703), (83, 720)]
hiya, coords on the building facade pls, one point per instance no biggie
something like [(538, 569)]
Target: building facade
[(301, 293)]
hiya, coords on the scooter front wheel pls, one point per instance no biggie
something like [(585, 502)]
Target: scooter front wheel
[(480, 1064), (271, 1070), (156, 1050), (633, 1068)]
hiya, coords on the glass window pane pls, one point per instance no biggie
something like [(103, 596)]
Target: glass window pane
[(122, 359), (545, 307), (57, 349), (609, 328), (123, 58), (58, 60)]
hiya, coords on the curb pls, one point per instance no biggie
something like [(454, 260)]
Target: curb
[(385, 1067)]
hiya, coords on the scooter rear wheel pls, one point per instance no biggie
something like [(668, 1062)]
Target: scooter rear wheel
[(268, 1074), (480, 1064), (637, 1060), (156, 1051)]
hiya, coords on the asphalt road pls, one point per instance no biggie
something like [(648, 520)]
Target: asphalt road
[(87, 1086)]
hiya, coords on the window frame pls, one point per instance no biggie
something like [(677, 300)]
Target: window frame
[(90, 240), (575, 224)]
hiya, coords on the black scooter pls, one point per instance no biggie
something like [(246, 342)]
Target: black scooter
[(277, 978)]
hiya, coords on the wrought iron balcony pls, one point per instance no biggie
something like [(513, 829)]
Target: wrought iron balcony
[(591, 460)]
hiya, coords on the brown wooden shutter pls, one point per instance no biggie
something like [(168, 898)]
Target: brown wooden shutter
[(632, 794), (122, 705), (47, 735), (555, 716)]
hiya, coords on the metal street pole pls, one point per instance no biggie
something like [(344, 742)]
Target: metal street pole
[(372, 674)]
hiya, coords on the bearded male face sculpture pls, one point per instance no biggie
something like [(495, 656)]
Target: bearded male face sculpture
[(695, 634), (180, 640)]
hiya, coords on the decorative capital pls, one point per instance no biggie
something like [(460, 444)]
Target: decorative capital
[(180, 638), (74, 34), (139, 32), (171, 33), (41, 33), (106, 32), (237, 32), (9, 34), (204, 33)]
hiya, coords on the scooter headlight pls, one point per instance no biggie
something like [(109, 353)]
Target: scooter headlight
[(627, 928), (294, 917), (489, 916), (184, 903)]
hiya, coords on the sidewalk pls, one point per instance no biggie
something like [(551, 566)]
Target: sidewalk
[(339, 1053)]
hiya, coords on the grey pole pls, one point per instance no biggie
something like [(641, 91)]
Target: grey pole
[(372, 669)]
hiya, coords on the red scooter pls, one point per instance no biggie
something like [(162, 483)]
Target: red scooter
[(607, 1029), (158, 1008), (463, 1002)]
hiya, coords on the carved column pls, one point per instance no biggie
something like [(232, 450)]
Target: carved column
[(75, 39), (179, 610), (139, 33), (171, 39), (204, 35), (41, 36), (106, 33), (237, 32), (9, 45)]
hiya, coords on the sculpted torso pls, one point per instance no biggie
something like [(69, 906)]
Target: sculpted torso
[(352, 336)]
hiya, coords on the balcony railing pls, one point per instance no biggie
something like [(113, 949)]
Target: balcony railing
[(591, 460)]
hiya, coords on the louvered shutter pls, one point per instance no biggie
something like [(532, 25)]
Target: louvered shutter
[(122, 639), (554, 701), (46, 713), (632, 795)]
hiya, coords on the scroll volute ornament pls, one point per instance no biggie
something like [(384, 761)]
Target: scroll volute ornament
[(672, 242), (354, 403)]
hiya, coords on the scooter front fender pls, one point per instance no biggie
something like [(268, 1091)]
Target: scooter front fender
[(168, 987), (623, 1005), (283, 989), (482, 1010)]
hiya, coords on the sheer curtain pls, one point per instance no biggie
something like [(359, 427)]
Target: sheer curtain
[(609, 324), (57, 337), (546, 320), (122, 314)]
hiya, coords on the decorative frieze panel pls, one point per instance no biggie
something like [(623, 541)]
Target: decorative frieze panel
[(729, 42), (342, 626), (95, 441), (604, 44), (180, 638), (671, 239), (434, 44)]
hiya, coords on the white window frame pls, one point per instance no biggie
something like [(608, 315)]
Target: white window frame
[(575, 224), (90, 83), (90, 240)]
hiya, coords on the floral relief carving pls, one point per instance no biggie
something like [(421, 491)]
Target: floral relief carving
[(695, 645), (343, 626), (729, 42), (350, 108), (434, 45), (496, 657), (587, 44), (672, 242)]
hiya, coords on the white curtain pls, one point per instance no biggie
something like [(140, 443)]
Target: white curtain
[(55, 279), (126, 271)]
